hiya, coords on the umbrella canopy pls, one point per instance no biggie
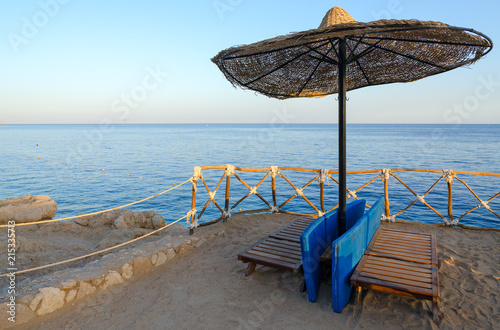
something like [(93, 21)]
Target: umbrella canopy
[(343, 55)]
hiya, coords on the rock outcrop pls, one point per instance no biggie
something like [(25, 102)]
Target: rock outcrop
[(27, 209), (124, 219)]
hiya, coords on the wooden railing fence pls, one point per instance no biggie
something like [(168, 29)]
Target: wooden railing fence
[(276, 172)]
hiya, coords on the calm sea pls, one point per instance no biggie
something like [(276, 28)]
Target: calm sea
[(66, 162)]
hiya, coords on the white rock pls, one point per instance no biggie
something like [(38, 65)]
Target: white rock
[(52, 299), (112, 278), (158, 221), (162, 258), (170, 254), (85, 289), (120, 223), (69, 284), (127, 271), (27, 209), (97, 281), (154, 258), (36, 300), (124, 219), (82, 221), (71, 295)]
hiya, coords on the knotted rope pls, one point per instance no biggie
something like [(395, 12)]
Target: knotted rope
[(420, 199), (192, 214), (449, 175), (352, 194), (274, 171), (97, 252), (323, 175), (484, 204), (385, 174), (226, 214), (229, 170), (391, 218)]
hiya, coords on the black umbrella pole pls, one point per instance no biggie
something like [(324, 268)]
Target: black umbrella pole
[(342, 137)]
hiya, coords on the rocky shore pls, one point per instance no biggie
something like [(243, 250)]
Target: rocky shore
[(45, 290)]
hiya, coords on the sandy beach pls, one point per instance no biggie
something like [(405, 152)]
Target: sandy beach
[(189, 115), (206, 288)]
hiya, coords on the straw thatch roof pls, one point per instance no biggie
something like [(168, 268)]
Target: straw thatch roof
[(304, 64)]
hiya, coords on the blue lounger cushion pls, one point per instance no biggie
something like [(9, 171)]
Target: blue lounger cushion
[(347, 250), (355, 210), (375, 214), (317, 238), (312, 244)]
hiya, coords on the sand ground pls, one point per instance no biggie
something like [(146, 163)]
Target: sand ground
[(206, 289)]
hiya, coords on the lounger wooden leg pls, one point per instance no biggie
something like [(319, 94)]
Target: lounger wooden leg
[(357, 299), (435, 310), (250, 268)]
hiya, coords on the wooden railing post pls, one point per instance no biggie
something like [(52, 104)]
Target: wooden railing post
[(385, 178), (322, 196), (229, 170), (274, 171), (449, 180), (450, 203), (226, 204), (322, 177), (192, 213)]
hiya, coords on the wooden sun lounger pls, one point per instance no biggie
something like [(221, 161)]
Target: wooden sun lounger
[(273, 252), (404, 245), (400, 262), (281, 250), (293, 231)]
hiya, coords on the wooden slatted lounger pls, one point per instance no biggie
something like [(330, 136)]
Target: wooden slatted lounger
[(273, 252), (400, 262), (293, 231), (281, 250), (404, 245)]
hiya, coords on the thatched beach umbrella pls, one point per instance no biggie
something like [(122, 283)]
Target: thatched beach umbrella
[(343, 55)]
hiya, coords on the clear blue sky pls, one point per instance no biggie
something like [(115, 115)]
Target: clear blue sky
[(89, 61)]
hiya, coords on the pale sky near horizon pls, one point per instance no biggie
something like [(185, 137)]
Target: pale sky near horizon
[(75, 61)]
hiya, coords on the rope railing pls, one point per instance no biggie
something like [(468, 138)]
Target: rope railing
[(99, 212), (321, 176), (95, 213), (96, 252)]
